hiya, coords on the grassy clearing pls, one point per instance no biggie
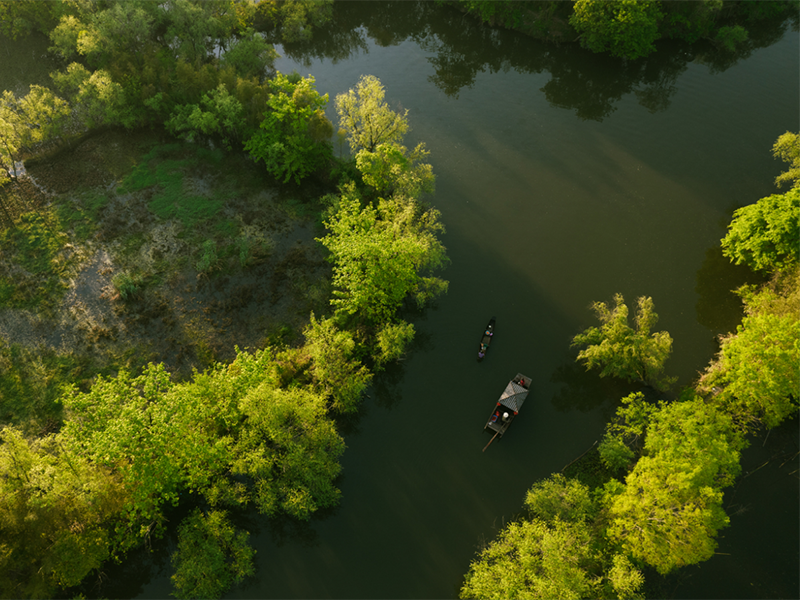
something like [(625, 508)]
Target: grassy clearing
[(32, 263)]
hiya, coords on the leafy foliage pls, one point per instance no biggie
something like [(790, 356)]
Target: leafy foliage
[(391, 171), (55, 508), (560, 498), (626, 431), (766, 235), (392, 341), (534, 559), (367, 119), (787, 148), (218, 114), (211, 557), (625, 28), (379, 255), (293, 139), (669, 510), (335, 371), (621, 351), (756, 376)]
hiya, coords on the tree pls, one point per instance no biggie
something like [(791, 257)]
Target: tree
[(560, 498), (211, 557), (787, 148), (765, 235), (392, 340), (294, 137), (756, 375), (535, 559), (158, 438), (290, 449), (96, 98), (625, 28), (21, 17), (219, 114), (380, 255), (626, 431), (335, 371), (669, 510), (391, 171), (621, 351), (56, 509), (367, 119)]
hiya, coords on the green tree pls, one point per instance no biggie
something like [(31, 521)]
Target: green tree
[(766, 235), (391, 171), (623, 437), (367, 119), (392, 341), (56, 510), (380, 255), (336, 372), (534, 559), (218, 114), (756, 375), (22, 17), (560, 498), (669, 510), (296, 19), (294, 137), (96, 98), (625, 28), (290, 449), (621, 351), (787, 148), (212, 556), (159, 439)]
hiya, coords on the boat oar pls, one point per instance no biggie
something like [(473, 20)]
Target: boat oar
[(490, 441)]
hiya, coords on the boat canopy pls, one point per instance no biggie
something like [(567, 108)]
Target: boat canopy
[(513, 396)]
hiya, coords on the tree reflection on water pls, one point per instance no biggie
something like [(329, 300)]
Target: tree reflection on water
[(461, 47)]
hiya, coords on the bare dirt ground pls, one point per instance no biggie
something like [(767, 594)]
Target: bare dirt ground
[(184, 318)]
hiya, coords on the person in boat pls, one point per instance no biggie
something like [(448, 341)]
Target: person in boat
[(505, 417), (489, 332), (495, 416)]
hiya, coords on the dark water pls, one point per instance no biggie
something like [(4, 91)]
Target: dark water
[(562, 177)]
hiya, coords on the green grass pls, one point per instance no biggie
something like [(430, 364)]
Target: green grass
[(80, 215), (165, 168), (33, 247)]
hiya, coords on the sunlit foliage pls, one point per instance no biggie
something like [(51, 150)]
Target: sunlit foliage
[(367, 118), (625, 28), (621, 351), (766, 235)]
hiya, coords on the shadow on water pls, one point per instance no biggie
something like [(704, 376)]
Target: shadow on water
[(718, 307), (462, 47), (584, 390)]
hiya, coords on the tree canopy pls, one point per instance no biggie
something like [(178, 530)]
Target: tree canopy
[(621, 351), (766, 235), (367, 119), (380, 256), (669, 510), (625, 28), (294, 138), (787, 148)]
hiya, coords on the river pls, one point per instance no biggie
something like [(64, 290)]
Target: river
[(563, 177)]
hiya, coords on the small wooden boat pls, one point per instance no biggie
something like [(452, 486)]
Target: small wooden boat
[(486, 339), (508, 406)]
